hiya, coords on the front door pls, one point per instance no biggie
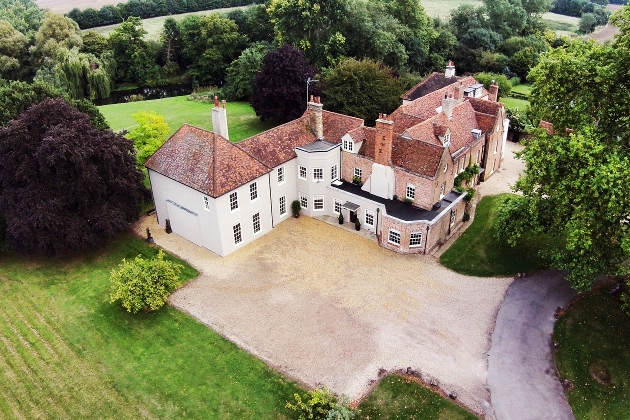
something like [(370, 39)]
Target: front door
[(353, 216)]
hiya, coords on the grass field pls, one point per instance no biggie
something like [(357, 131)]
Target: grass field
[(404, 399), (242, 120), (523, 88), (594, 335), (479, 253), (513, 103), (68, 353)]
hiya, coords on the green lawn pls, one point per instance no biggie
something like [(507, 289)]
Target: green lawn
[(242, 120), (397, 397), (513, 103), (523, 88), (66, 352), (595, 333), (479, 253)]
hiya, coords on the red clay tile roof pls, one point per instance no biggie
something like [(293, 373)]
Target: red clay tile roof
[(485, 121), (432, 83), (205, 162), (424, 108), (412, 155), (275, 146), (486, 107), (417, 156)]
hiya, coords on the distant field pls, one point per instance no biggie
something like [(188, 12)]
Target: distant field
[(65, 6), (443, 8), (154, 26), (242, 121)]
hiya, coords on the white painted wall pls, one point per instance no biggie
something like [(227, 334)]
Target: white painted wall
[(363, 203), (211, 228), (311, 187), (286, 189)]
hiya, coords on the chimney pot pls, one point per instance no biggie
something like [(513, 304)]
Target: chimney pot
[(312, 100), (216, 100)]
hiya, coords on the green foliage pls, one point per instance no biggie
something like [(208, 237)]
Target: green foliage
[(24, 15), (320, 403), (466, 175), (314, 26), (588, 22), (362, 89), (296, 207), (399, 397), (57, 32), (576, 186), (595, 333), (144, 284), (209, 44), (487, 255), (243, 70), (519, 121), (131, 52), (13, 49), (151, 132), (505, 86)]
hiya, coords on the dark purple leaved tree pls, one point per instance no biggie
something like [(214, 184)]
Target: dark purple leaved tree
[(280, 87), (64, 184)]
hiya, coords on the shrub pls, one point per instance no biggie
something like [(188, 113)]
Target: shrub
[(408, 200), (296, 207), (340, 218), (320, 403), (466, 217), (144, 284)]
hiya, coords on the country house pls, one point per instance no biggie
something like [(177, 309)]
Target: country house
[(396, 178)]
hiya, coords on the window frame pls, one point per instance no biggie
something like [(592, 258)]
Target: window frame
[(283, 205), (334, 172), (238, 234), (337, 203), (369, 213), (253, 191), (206, 203), (303, 200), (392, 234), (282, 177), (358, 172), (233, 201), (348, 145), (419, 240), (302, 170), (316, 198), (445, 167), (318, 174), (412, 188), (256, 223)]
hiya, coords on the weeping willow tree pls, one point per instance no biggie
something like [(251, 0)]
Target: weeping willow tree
[(85, 74)]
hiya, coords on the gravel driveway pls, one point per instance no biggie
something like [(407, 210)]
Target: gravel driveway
[(328, 307)]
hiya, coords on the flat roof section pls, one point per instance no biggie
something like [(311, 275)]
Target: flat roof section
[(399, 209)]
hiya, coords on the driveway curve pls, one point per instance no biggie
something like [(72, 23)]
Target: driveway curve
[(521, 371)]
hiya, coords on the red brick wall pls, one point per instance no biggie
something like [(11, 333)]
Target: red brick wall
[(349, 161), (425, 188)]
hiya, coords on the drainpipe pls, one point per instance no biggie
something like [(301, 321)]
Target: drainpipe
[(426, 240), (378, 236), (270, 199)]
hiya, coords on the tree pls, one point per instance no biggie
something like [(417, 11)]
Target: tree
[(144, 284), (12, 51), (280, 87), (362, 89), (56, 32), (171, 39), (65, 184), (209, 44), (505, 87), (243, 70), (588, 22), (576, 186), (131, 52), (314, 26), (150, 134), (16, 97), (24, 15)]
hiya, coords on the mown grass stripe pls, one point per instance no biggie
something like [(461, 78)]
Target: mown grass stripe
[(9, 401)]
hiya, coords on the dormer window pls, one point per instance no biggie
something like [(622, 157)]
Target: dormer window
[(447, 138), (348, 145)]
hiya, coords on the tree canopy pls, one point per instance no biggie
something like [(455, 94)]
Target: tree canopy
[(243, 70), (151, 133), (280, 87), (362, 89), (24, 15), (65, 184), (576, 182)]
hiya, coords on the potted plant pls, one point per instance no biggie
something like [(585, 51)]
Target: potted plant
[(295, 208), (340, 218), (357, 224)]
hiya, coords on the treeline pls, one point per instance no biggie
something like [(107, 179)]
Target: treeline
[(144, 9)]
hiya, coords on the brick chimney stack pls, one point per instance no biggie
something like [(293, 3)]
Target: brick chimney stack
[(383, 140), (459, 92), (219, 119), (494, 92), (315, 117)]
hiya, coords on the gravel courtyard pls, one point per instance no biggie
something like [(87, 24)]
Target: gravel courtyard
[(329, 307)]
